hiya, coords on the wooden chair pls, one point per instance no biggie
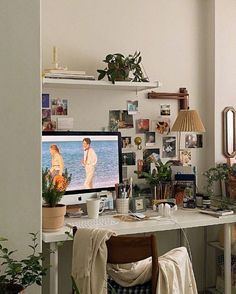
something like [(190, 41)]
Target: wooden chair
[(126, 249)]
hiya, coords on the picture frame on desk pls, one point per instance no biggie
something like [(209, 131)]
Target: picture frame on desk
[(138, 204), (182, 189)]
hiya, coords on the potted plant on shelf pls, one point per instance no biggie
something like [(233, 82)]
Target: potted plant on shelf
[(17, 275), (226, 176), (53, 188), (159, 179), (119, 68)]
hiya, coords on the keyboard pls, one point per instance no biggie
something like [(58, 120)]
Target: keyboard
[(92, 223)]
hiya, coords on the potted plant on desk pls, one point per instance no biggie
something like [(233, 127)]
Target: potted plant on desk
[(17, 275), (159, 179), (53, 188), (226, 176)]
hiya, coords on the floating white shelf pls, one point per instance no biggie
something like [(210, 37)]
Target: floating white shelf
[(88, 84)]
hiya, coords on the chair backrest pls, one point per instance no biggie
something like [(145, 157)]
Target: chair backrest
[(126, 249)]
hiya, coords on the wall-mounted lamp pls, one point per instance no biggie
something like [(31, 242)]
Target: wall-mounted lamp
[(187, 121)]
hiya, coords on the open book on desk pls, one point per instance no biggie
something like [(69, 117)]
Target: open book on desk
[(217, 212)]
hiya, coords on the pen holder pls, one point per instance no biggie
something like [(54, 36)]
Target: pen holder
[(122, 205)]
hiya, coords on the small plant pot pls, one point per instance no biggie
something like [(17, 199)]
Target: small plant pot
[(11, 289), (53, 218)]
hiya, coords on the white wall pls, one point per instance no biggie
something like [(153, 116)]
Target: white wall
[(171, 36), (20, 187), (225, 65)]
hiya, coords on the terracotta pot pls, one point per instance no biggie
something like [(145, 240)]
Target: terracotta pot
[(53, 218), (11, 289), (232, 187)]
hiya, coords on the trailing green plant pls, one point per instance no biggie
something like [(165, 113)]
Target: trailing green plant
[(53, 188), (24, 272), (119, 68)]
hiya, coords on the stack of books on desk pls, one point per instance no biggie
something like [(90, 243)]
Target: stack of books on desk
[(217, 212), (67, 74)]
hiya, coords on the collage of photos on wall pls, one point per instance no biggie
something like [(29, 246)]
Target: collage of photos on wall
[(152, 136), (52, 110), (148, 135)]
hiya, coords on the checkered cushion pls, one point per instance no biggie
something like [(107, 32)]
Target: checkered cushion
[(138, 289)]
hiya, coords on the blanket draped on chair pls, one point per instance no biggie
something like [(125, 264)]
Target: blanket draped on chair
[(175, 273), (90, 259)]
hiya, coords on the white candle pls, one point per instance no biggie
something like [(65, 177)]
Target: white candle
[(55, 61)]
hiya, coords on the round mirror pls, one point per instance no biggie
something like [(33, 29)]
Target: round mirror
[(229, 136)]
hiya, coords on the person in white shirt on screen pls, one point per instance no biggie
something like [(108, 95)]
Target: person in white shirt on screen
[(89, 162)]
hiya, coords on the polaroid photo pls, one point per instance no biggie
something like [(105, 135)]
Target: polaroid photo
[(193, 141), (128, 158), (59, 106), (165, 109), (185, 157), (132, 106), (150, 138), (45, 101), (142, 125), (168, 147)]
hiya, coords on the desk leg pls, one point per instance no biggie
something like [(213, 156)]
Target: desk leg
[(54, 268), (227, 257)]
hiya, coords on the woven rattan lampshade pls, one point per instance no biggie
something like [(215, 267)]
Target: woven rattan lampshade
[(188, 121)]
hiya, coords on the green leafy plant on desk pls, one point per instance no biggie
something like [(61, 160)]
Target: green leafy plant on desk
[(159, 179), (224, 174), (119, 68), (16, 275)]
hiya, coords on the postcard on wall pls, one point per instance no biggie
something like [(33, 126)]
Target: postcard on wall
[(45, 100), (59, 106), (65, 123), (150, 155), (126, 142), (49, 125), (120, 119), (185, 157), (168, 147), (46, 114), (142, 125), (128, 158), (193, 141), (165, 109), (161, 125), (150, 138), (132, 106)]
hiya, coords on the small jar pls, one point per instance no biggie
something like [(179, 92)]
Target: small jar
[(206, 202), (185, 202)]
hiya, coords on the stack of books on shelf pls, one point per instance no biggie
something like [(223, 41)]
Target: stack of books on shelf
[(67, 74)]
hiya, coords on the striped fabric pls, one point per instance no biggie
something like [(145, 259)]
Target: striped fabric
[(114, 288)]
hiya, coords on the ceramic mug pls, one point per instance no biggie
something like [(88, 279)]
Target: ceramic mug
[(94, 207)]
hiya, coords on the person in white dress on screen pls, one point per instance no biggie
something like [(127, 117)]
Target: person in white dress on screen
[(57, 161), (89, 162)]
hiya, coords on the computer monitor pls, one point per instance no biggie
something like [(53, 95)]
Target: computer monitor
[(108, 167)]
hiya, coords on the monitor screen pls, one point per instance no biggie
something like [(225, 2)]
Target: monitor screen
[(93, 159)]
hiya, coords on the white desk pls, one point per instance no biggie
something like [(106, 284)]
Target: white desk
[(182, 219)]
